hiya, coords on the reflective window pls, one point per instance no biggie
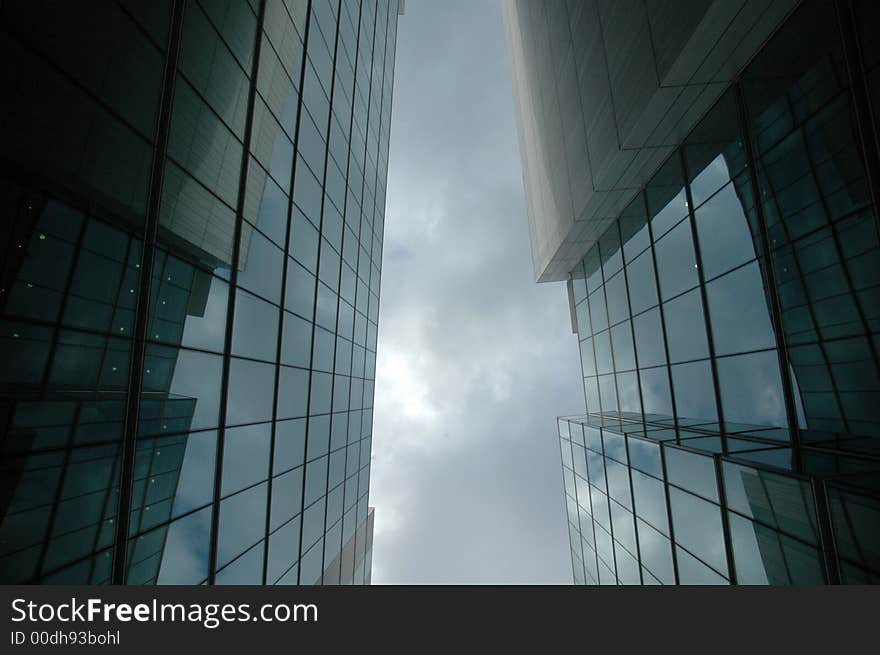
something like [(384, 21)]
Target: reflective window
[(618, 308), (738, 309), (724, 231), (245, 457), (255, 328), (693, 386), (691, 471), (184, 556), (676, 263), (686, 327), (645, 456), (251, 390), (656, 553), (242, 522), (761, 401), (692, 571), (763, 556), (642, 283), (622, 342), (656, 397), (597, 311), (649, 339), (697, 526), (650, 500)]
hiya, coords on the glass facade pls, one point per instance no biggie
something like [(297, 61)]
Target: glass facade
[(193, 195), (729, 325)]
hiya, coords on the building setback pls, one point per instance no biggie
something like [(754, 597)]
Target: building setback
[(705, 177), (193, 201)]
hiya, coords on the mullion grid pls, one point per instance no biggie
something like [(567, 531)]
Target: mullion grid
[(321, 543), (303, 548), (613, 374), (148, 256), (355, 475), (565, 493), (363, 470), (865, 114), (590, 505), (271, 475), (359, 198), (334, 414), (576, 520), (782, 353), (143, 307), (233, 284)]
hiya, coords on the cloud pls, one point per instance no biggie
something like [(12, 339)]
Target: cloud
[(475, 360)]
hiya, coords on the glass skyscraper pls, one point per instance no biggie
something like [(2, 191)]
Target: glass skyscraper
[(193, 198), (705, 177)]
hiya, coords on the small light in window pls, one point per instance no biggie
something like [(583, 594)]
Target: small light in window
[(42, 237)]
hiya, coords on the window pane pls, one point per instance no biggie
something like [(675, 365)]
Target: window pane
[(694, 395), (697, 526), (649, 339), (615, 290), (181, 390), (184, 556), (692, 571), (656, 397), (255, 328), (691, 471), (245, 457), (242, 522), (251, 390), (686, 327), (622, 341), (656, 553), (650, 500), (738, 308), (724, 230), (642, 283), (676, 264), (764, 556), (760, 402)]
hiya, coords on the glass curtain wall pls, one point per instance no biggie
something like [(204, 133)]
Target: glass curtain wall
[(733, 306), (194, 202)]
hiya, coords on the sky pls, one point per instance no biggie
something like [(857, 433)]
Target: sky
[(475, 360)]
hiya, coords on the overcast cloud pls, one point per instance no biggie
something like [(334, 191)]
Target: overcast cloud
[(475, 360)]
